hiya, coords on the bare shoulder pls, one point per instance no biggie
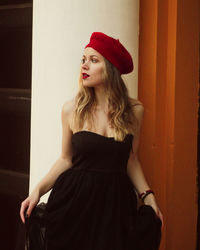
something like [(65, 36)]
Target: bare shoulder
[(67, 111), (137, 107), (68, 106)]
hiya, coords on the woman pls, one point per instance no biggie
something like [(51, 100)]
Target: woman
[(98, 178)]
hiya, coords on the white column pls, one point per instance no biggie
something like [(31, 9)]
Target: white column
[(61, 29)]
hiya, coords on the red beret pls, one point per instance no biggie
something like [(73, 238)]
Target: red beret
[(112, 50)]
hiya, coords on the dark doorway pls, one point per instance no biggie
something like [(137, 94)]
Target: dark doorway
[(15, 110)]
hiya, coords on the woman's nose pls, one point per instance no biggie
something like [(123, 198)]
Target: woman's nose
[(85, 65)]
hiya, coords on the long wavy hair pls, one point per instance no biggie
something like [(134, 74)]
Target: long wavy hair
[(120, 113)]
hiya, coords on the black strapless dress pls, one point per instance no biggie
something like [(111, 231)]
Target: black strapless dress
[(93, 205)]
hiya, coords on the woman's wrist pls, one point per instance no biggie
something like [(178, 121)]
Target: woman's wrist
[(37, 191), (145, 193), (42, 188), (149, 199)]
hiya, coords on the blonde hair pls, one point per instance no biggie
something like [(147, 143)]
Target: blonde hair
[(120, 113)]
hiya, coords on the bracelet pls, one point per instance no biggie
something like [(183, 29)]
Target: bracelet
[(145, 193)]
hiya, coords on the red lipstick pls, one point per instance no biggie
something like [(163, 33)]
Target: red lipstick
[(85, 75)]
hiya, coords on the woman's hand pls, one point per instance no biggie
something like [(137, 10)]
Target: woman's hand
[(150, 200), (29, 203)]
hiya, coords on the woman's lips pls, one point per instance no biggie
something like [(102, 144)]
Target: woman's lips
[(85, 75)]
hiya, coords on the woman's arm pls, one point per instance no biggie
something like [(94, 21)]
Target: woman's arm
[(136, 175), (134, 168), (63, 163), (48, 181)]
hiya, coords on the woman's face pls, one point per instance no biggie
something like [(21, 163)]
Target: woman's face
[(93, 65)]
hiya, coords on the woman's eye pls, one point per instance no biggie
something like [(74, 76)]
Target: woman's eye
[(93, 60)]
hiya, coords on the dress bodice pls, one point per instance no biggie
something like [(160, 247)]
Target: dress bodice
[(92, 151)]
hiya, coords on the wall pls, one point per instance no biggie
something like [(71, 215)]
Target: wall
[(61, 29), (168, 87)]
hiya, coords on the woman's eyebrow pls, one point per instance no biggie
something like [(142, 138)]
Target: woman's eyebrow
[(91, 56)]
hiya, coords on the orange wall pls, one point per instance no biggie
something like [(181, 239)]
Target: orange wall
[(168, 87)]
